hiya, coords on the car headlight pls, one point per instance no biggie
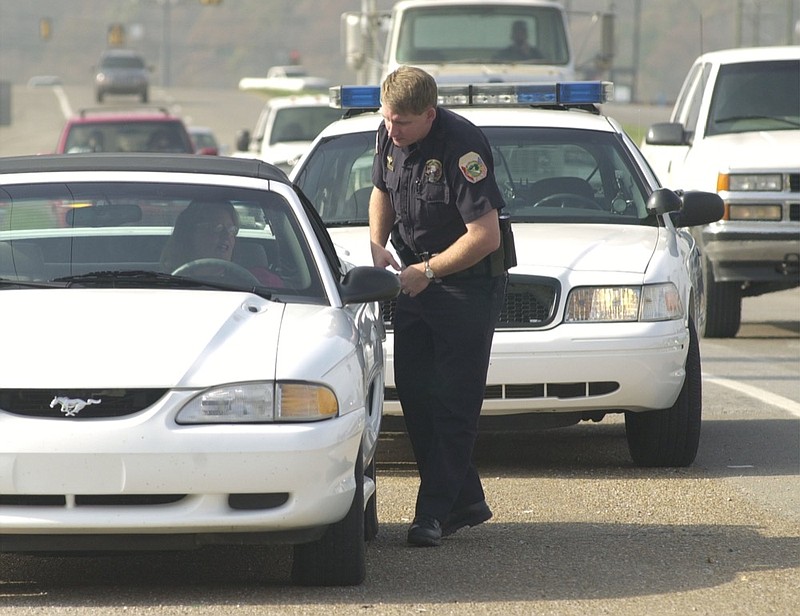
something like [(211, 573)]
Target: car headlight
[(750, 182), (754, 211), (260, 403), (658, 302)]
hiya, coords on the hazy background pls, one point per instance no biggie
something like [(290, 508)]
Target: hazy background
[(191, 44)]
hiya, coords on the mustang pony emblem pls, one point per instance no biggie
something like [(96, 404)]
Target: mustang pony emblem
[(72, 406)]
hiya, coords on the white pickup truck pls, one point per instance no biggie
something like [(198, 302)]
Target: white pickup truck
[(735, 129), (285, 129)]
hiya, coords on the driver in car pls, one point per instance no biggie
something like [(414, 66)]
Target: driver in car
[(203, 241)]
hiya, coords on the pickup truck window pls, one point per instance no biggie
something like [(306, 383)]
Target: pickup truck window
[(438, 34), (740, 102)]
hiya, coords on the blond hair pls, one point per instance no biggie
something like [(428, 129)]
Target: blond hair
[(409, 90)]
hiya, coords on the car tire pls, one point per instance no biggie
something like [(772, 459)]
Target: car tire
[(723, 306), (338, 558), (371, 507), (670, 437), (145, 96)]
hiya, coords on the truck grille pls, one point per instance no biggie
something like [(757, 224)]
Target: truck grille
[(530, 303)]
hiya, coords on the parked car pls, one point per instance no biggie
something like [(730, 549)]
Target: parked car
[(204, 140), (122, 71), (602, 310), (735, 130), (146, 407), (285, 129), (136, 130)]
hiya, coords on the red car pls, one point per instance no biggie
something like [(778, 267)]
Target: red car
[(145, 130)]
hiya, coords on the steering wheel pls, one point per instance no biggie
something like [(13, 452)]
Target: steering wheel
[(231, 271), (563, 199)]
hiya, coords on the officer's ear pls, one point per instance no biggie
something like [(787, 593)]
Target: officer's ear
[(430, 114)]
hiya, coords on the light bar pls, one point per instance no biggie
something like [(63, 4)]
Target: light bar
[(355, 97), (568, 93)]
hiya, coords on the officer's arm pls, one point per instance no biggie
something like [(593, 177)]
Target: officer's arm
[(481, 239), (381, 220)]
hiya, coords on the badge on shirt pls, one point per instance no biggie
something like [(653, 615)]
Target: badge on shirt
[(390, 163), (473, 167), (433, 170)]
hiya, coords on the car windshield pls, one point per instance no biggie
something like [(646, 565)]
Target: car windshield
[(302, 123), (739, 104), (125, 62), (137, 234), (546, 175), (127, 136)]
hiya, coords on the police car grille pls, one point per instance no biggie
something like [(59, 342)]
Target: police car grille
[(112, 403), (530, 302)]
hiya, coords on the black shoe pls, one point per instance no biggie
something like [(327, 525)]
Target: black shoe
[(425, 531), (468, 516)]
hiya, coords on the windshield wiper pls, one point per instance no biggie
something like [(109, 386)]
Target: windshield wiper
[(31, 284), (131, 279), (357, 222)]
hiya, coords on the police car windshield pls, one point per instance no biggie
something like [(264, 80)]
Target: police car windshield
[(546, 175)]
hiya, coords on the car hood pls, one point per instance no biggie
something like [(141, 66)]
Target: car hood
[(546, 247), (75, 338), (767, 150)]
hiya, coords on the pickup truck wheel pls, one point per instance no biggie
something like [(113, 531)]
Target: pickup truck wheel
[(670, 437), (723, 306), (339, 557)]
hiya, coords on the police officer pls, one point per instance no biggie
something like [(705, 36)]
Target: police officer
[(436, 196)]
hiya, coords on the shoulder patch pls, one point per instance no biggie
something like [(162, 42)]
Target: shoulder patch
[(472, 167)]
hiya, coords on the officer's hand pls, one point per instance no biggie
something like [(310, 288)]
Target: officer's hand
[(382, 258), (413, 280)]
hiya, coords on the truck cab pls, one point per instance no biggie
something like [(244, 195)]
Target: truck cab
[(466, 41)]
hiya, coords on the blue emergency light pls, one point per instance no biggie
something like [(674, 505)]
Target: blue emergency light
[(568, 93)]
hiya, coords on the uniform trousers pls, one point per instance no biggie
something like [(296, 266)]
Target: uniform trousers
[(442, 342)]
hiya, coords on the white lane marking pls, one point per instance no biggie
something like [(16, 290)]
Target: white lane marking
[(63, 102), (755, 392)]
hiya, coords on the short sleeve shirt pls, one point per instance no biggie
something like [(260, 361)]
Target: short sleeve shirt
[(438, 184)]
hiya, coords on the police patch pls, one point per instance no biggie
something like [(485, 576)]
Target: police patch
[(472, 167), (433, 170)]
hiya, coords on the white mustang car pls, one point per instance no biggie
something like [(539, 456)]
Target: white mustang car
[(603, 306), (224, 401)]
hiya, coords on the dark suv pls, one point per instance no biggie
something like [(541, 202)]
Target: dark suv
[(140, 130), (122, 71)]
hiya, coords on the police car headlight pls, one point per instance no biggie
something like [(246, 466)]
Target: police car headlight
[(660, 302), (265, 402)]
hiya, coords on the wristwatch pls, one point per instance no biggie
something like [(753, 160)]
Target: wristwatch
[(428, 271)]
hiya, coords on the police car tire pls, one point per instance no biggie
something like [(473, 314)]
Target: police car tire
[(339, 557), (670, 437)]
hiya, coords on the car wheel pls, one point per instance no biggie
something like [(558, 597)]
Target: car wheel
[(723, 306), (145, 97), (339, 557), (371, 508), (670, 437)]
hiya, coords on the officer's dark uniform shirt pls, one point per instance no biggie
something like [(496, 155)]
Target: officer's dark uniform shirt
[(438, 184)]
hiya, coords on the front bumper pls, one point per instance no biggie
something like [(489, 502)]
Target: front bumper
[(578, 368), (145, 475)]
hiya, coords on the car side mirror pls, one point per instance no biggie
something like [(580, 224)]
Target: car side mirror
[(698, 208), (243, 140), (368, 284), (666, 133)]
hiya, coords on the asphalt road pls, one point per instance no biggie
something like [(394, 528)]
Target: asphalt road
[(577, 528)]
